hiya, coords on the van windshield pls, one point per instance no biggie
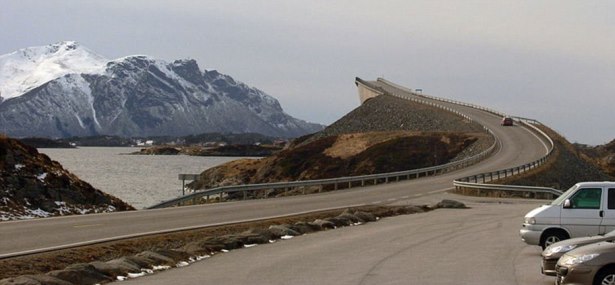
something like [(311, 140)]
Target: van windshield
[(565, 195)]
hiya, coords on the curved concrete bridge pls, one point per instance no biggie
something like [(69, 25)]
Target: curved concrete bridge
[(519, 146)]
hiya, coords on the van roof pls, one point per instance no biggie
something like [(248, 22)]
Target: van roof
[(597, 184)]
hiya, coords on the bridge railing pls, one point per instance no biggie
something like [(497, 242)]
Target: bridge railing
[(359, 181), (301, 187), (334, 183), (478, 183)]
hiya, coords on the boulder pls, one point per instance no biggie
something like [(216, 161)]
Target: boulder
[(283, 230), (323, 224), (142, 262), (254, 238), (352, 218), (263, 232), (34, 280), (157, 258), (116, 267), (81, 273), (365, 216), (451, 204), (339, 222), (304, 228)]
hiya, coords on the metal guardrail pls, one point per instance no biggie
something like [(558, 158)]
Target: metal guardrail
[(335, 183), (465, 183), (373, 179)]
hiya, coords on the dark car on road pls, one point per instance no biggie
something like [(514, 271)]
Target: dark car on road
[(507, 121)]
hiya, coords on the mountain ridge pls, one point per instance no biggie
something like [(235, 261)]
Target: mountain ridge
[(135, 96)]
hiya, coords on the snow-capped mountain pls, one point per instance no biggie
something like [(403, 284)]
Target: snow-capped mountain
[(65, 89)]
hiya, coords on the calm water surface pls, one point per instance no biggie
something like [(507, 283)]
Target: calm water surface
[(140, 180)]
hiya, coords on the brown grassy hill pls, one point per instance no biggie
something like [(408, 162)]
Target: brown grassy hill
[(565, 168), (344, 155), (384, 134), (32, 185)]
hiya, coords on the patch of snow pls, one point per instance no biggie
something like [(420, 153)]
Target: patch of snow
[(182, 264), (26, 69), (80, 122), (201, 257), (136, 275), (271, 241), (122, 278), (37, 213), (147, 270), (41, 177), (249, 245), (286, 237), (224, 250), (19, 166), (161, 267)]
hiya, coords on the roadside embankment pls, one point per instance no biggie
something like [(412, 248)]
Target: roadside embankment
[(106, 262)]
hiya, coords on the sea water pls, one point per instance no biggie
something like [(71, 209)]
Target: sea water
[(139, 180)]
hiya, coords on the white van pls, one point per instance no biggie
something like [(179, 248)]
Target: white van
[(586, 209)]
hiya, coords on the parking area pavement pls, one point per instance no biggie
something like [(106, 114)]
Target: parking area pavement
[(480, 245)]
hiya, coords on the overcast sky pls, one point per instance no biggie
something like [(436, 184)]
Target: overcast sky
[(549, 60)]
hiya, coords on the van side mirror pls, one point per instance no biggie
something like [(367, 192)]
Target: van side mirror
[(567, 204)]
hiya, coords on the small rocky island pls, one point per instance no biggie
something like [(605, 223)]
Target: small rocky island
[(223, 150)]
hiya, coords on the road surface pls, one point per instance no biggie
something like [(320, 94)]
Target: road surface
[(519, 146)]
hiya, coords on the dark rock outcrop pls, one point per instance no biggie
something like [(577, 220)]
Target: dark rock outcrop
[(32, 185)]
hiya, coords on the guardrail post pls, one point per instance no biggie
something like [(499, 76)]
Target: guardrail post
[(335, 186), (245, 195)]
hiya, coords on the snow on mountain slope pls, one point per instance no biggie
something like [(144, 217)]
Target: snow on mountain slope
[(130, 96), (28, 68)]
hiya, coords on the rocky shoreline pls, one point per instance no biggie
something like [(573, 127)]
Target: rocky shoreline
[(227, 150)]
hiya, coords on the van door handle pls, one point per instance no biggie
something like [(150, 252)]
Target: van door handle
[(601, 213)]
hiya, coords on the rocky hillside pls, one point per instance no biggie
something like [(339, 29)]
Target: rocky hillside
[(65, 90), (566, 167), (602, 156), (382, 135), (389, 113), (32, 185)]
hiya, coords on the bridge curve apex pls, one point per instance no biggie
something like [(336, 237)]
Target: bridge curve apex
[(367, 90)]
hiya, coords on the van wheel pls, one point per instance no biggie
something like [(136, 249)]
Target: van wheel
[(552, 237), (606, 276)]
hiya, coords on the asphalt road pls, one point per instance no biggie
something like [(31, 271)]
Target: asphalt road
[(519, 146), (480, 245)]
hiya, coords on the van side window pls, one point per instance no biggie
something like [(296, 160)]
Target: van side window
[(611, 199), (587, 198)]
